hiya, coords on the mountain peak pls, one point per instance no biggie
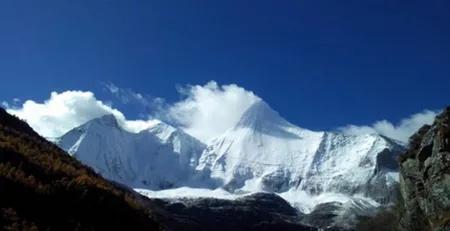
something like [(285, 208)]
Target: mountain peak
[(108, 120), (259, 115)]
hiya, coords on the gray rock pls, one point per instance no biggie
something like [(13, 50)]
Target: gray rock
[(260, 211), (425, 178)]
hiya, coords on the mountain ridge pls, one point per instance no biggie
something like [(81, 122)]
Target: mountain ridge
[(124, 156), (262, 153)]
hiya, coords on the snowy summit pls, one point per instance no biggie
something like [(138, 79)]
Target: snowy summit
[(262, 153)]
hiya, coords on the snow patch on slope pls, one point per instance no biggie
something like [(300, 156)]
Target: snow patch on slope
[(188, 192), (306, 202)]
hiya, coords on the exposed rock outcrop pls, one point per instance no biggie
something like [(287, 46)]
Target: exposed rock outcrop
[(425, 178), (260, 211)]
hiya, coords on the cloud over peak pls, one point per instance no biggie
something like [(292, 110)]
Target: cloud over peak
[(64, 111), (207, 111), (401, 131), (204, 111)]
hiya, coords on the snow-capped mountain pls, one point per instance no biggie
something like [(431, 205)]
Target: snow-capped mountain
[(262, 152), (158, 157)]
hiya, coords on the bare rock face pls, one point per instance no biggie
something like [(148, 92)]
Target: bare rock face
[(258, 212), (425, 178)]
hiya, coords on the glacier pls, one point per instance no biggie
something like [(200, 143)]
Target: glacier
[(262, 153)]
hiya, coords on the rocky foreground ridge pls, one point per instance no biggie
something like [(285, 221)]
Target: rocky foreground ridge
[(425, 178)]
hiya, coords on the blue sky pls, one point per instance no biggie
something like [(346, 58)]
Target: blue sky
[(320, 64)]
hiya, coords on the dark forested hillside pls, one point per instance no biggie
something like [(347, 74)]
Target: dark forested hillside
[(42, 188)]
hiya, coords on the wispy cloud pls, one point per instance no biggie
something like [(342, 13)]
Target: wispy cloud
[(400, 131), (12, 103), (5, 104), (125, 95)]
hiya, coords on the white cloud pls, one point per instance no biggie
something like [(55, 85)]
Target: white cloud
[(209, 110), (204, 112), (64, 111), (401, 131)]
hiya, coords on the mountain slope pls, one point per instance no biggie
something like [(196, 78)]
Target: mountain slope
[(157, 158), (42, 188), (265, 152), (262, 153)]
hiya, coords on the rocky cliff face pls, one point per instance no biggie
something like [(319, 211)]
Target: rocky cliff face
[(425, 178)]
